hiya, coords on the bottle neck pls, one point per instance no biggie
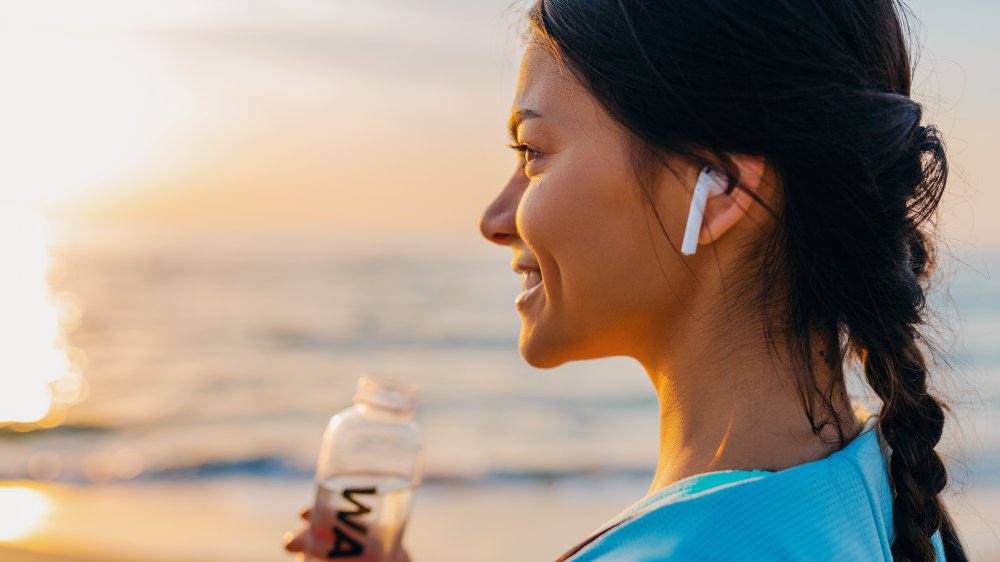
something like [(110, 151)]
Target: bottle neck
[(381, 412)]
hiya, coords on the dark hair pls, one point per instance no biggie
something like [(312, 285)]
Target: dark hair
[(821, 90)]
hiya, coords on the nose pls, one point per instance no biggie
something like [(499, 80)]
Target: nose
[(498, 223)]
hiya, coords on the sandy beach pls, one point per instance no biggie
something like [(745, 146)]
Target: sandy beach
[(16, 555), (246, 520)]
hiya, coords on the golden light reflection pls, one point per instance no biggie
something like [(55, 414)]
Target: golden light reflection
[(22, 510), (79, 109), (35, 372)]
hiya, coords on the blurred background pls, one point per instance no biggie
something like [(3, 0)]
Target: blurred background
[(217, 214)]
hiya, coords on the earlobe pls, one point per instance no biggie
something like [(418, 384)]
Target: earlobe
[(722, 212)]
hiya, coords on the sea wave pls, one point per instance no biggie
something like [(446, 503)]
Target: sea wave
[(276, 467)]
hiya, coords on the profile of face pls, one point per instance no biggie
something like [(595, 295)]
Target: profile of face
[(601, 278)]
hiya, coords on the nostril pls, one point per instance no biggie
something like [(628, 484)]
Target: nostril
[(501, 238), (495, 233)]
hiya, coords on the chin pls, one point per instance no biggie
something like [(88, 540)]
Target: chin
[(538, 352), (540, 360), (544, 352)]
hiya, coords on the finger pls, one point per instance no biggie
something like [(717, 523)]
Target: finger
[(315, 542), (314, 546), (295, 542), (306, 537)]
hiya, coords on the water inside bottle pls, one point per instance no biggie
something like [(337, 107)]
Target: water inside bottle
[(361, 517)]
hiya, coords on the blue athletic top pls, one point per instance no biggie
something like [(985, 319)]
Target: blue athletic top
[(836, 508)]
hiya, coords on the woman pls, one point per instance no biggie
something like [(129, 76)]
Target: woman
[(813, 250)]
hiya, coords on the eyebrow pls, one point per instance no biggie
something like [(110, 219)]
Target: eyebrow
[(517, 117)]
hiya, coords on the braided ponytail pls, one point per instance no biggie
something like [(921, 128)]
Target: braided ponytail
[(870, 281), (884, 333)]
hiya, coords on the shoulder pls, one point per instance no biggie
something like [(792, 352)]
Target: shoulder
[(831, 509)]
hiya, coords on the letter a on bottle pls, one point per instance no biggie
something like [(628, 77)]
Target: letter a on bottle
[(344, 545)]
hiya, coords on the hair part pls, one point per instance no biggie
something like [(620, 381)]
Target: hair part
[(821, 90)]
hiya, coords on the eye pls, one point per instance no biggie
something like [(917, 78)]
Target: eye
[(526, 151)]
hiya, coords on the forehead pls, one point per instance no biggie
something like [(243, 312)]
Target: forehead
[(546, 84)]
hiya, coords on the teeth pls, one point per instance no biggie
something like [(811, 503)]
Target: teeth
[(530, 278)]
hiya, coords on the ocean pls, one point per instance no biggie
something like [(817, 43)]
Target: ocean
[(210, 357)]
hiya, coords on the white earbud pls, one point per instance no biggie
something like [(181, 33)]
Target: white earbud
[(711, 181)]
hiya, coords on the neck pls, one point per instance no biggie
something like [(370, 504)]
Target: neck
[(738, 408)]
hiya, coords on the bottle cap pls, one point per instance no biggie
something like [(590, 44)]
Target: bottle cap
[(385, 394)]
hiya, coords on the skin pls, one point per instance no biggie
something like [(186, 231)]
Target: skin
[(613, 285)]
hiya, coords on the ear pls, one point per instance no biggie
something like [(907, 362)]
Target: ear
[(724, 211)]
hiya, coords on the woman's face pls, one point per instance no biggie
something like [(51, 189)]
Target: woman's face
[(602, 279)]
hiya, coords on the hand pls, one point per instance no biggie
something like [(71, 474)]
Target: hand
[(317, 543)]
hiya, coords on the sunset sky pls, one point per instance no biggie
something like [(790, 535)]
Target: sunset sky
[(386, 114)]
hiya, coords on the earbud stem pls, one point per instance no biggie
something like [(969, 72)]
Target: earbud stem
[(710, 181)]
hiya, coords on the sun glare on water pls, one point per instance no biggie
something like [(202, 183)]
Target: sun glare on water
[(22, 510), (35, 372), (80, 111)]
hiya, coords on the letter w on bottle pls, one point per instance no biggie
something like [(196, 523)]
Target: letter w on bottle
[(343, 544)]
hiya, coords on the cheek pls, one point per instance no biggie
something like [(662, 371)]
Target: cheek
[(587, 226), (576, 198)]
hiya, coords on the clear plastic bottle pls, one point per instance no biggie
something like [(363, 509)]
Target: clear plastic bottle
[(369, 465)]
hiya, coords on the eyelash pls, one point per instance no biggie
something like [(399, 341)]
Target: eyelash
[(525, 150)]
